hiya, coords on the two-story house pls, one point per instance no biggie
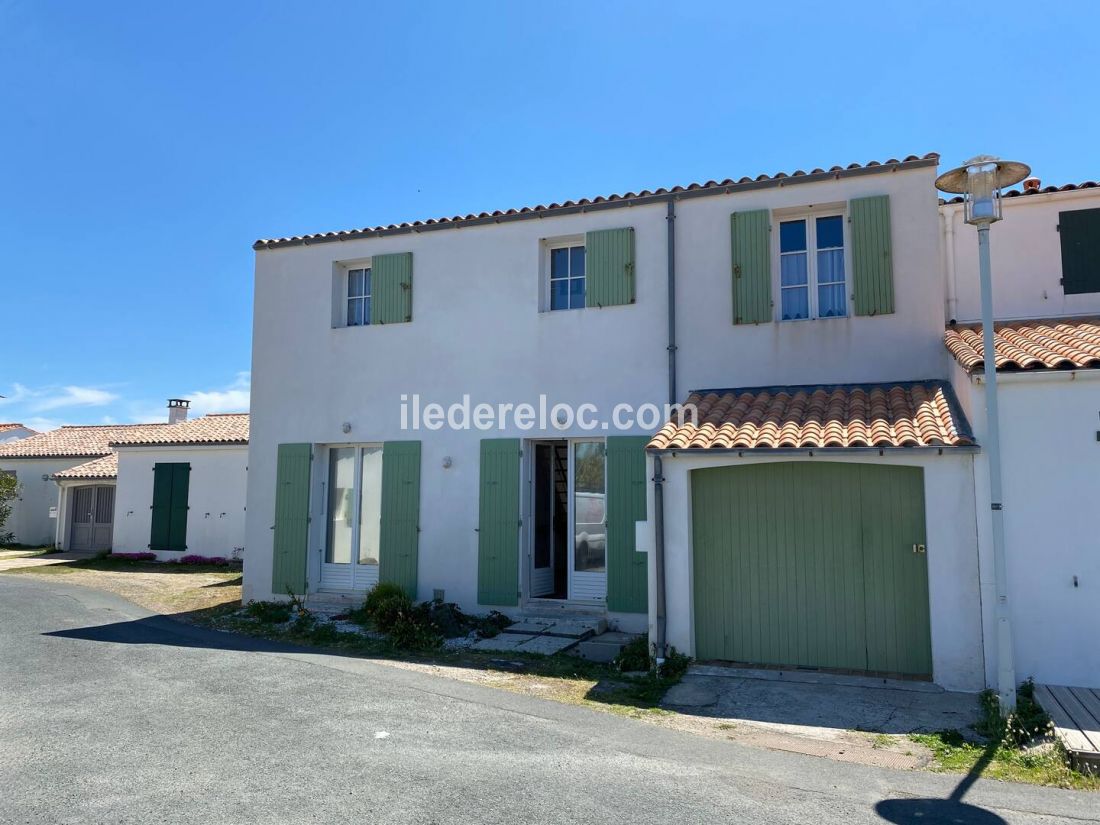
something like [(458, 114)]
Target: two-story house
[(820, 510)]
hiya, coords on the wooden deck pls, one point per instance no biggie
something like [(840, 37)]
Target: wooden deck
[(1076, 716)]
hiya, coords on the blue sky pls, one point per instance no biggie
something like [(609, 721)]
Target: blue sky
[(145, 146)]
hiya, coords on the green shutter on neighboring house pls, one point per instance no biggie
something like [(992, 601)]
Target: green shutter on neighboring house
[(391, 288), (750, 245), (181, 487), (609, 267), (160, 532), (288, 569), (627, 588), (400, 529), (872, 255), (498, 522), (171, 484), (1079, 237)]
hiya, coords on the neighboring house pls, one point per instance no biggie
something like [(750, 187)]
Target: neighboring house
[(37, 459), (12, 432), (1046, 276), (175, 489)]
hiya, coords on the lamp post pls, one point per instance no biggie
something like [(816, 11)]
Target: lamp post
[(980, 181)]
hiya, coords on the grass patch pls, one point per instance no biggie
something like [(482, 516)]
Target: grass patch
[(22, 551), (1019, 748), (121, 565)]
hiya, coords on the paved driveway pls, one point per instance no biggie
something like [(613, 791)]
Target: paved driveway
[(110, 715)]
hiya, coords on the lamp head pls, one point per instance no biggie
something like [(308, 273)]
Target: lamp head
[(980, 181)]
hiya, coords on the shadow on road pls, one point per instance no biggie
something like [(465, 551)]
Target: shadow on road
[(950, 810)]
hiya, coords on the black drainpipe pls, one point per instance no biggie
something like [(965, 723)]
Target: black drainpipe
[(659, 642)]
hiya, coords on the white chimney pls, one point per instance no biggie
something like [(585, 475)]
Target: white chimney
[(177, 410)]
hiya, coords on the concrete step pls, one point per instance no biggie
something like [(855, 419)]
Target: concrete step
[(573, 627), (604, 647)]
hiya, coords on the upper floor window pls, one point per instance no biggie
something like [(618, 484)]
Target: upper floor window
[(811, 268), (358, 297), (567, 276)]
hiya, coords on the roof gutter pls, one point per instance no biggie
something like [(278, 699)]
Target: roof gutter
[(674, 452), (639, 200)]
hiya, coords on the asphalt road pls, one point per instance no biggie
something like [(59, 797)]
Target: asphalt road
[(111, 715)]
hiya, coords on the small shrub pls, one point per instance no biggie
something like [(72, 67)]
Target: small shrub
[(491, 624), (676, 664), (304, 624), (324, 633), (447, 619), (268, 612), (217, 561), (1020, 727), (145, 556), (386, 604), (634, 655)]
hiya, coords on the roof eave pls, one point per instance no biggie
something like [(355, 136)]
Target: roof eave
[(124, 445), (757, 452), (641, 200)]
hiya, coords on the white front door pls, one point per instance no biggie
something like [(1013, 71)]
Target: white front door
[(588, 520), (353, 495)]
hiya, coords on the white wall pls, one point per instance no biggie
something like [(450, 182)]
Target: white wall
[(1026, 258), (216, 498), (955, 611), (30, 520), (1051, 484), (477, 329)]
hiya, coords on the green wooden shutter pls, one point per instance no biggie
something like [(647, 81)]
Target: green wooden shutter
[(288, 571), (160, 532), (627, 581), (1079, 236), (750, 244), (391, 288), (400, 529), (609, 267), (498, 522), (872, 255), (177, 525)]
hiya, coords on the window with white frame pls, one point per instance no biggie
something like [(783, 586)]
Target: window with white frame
[(358, 297), (811, 268), (566, 279)]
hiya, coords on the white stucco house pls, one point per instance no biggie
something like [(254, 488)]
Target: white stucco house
[(823, 508), (1046, 272), (175, 490)]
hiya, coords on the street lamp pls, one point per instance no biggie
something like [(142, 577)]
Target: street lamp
[(979, 181)]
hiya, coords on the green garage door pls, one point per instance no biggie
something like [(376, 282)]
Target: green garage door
[(812, 565)]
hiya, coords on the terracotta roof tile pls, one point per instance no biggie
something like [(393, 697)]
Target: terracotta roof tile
[(1046, 190), (74, 441), (1068, 343), (6, 427), (920, 414), (104, 467), (458, 220), (221, 428)]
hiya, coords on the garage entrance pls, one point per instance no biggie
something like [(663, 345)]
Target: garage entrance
[(818, 565)]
